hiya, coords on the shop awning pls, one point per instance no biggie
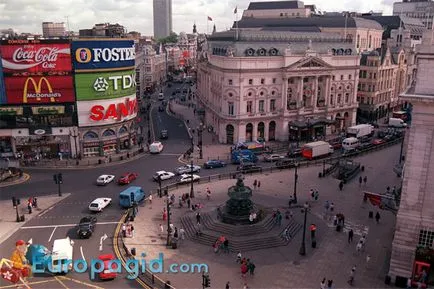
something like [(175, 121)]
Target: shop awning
[(310, 123)]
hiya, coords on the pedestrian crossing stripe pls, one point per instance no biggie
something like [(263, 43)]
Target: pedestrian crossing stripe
[(358, 229)]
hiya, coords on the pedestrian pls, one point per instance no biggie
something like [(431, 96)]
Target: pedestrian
[(394, 190), (198, 218), (246, 286), (365, 180), (251, 268), (182, 233), (286, 234), (352, 275), (251, 218), (259, 185), (368, 258), (341, 185), (175, 234), (124, 230), (316, 196), (228, 285), (35, 202), (323, 283), (332, 207), (350, 236), (279, 219), (359, 247), (360, 181), (161, 229), (226, 245), (255, 183), (29, 207), (150, 199), (244, 270), (238, 260), (312, 194), (377, 217), (132, 231), (409, 286), (188, 203), (387, 189), (329, 284)]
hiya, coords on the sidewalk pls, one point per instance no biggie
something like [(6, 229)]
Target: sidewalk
[(283, 267), (8, 223)]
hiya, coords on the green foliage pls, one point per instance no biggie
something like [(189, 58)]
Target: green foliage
[(172, 38)]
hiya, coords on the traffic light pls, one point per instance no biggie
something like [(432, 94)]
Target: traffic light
[(55, 178), (60, 178)]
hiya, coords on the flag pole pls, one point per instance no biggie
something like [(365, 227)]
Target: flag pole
[(236, 24), (207, 21)]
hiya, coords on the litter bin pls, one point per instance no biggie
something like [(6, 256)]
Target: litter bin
[(22, 218), (174, 243)]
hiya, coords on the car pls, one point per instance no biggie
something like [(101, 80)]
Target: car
[(178, 90), (99, 204), (164, 134), (185, 90), (169, 85), (161, 108), (272, 157), (107, 273), (389, 137), (104, 180), (127, 178), (285, 163), (336, 145), (173, 93), (186, 178), (378, 141), (294, 152), (364, 146), (187, 169), (214, 164), (164, 103), (248, 167), (163, 175), (156, 147), (86, 227)]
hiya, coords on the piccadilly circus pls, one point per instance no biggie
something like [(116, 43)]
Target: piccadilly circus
[(63, 98)]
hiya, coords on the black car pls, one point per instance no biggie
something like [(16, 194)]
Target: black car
[(160, 108), (178, 90), (248, 168), (295, 152), (86, 227), (173, 93), (364, 146), (185, 91), (164, 134), (285, 163)]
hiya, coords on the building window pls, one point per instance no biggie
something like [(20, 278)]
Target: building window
[(249, 107), (272, 105), (331, 98), (261, 106), (262, 80), (362, 100), (375, 75), (347, 97), (230, 81), (333, 77), (273, 92), (426, 238), (349, 76), (342, 77), (249, 94), (261, 93), (274, 81), (281, 14), (250, 81), (231, 108), (339, 98)]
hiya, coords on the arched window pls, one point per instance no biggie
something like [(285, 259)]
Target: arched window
[(108, 133), (90, 135), (123, 130)]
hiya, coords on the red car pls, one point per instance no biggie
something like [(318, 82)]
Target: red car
[(107, 273), (378, 141), (127, 178)]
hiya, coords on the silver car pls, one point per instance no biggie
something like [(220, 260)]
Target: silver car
[(187, 169)]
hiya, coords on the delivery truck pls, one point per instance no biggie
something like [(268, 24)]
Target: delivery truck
[(360, 130), (316, 150), (397, 122)]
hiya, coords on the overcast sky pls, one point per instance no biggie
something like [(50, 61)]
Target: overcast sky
[(136, 15)]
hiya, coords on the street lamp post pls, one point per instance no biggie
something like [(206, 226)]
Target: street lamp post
[(168, 222), (74, 133), (303, 241), (199, 135), (160, 193), (402, 148), (295, 183), (191, 175)]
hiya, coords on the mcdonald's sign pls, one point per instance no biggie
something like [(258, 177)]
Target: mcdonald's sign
[(39, 90)]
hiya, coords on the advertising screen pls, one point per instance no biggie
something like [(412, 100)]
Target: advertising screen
[(35, 56), (2, 85), (103, 54), (103, 112), (39, 89), (105, 85)]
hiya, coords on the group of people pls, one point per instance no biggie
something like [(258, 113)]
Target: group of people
[(256, 185), (247, 266), (325, 282), (314, 195), (339, 222), (221, 243), (32, 202)]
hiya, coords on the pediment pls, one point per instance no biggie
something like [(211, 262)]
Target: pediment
[(309, 63)]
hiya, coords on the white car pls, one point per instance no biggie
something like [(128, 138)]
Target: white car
[(99, 204), (187, 169), (163, 175), (187, 178), (104, 180), (156, 147), (273, 158)]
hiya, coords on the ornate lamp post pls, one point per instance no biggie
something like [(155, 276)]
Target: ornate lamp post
[(303, 241), (199, 135), (295, 183)]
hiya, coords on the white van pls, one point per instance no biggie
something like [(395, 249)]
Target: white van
[(397, 122), (350, 144), (61, 255), (156, 147)]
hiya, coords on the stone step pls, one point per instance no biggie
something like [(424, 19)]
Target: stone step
[(237, 230)]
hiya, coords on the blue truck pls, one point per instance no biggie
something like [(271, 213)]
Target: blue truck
[(238, 156)]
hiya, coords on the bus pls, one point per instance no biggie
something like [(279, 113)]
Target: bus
[(255, 146)]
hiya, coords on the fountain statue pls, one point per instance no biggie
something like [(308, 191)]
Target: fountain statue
[(239, 206)]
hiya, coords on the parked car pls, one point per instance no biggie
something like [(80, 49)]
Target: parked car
[(86, 227), (389, 137), (186, 178), (364, 146), (336, 145), (127, 178), (107, 273), (164, 134), (295, 152), (99, 204), (285, 163), (214, 164), (187, 169), (248, 168), (156, 147), (163, 175), (104, 180), (378, 141), (272, 157)]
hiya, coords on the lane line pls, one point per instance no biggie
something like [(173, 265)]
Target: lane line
[(28, 283), (64, 225), (61, 283), (80, 282), (46, 211), (52, 233), (81, 251)]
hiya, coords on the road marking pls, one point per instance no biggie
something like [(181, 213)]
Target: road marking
[(46, 211), (61, 283), (169, 154), (79, 282), (28, 283), (358, 229), (52, 233), (64, 225), (81, 251)]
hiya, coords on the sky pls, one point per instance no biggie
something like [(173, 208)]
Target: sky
[(136, 15)]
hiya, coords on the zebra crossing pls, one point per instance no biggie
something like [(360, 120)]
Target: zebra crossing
[(358, 229)]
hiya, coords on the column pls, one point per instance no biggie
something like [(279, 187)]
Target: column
[(315, 92), (284, 99), (266, 130), (327, 91), (300, 93), (255, 131)]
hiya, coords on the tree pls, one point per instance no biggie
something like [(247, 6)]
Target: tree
[(172, 38)]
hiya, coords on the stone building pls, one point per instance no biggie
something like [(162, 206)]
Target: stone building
[(253, 84), (414, 234), (155, 66), (278, 9), (187, 43)]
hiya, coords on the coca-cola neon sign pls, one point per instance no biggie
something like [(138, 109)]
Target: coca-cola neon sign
[(36, 57)]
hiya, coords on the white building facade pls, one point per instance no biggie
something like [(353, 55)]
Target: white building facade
[(254, 89)]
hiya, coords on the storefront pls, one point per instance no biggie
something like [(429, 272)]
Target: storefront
[(6, 150)]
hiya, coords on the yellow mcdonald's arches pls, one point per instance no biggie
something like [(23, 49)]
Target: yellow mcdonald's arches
[(37, 87)]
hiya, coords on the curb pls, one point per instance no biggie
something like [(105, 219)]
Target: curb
[(104, 165), (21, 180), (21, 224)]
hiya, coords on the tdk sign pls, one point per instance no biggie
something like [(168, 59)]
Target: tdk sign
[(103, 55)]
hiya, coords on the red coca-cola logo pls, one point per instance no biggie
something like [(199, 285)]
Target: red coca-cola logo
[(47, 56)]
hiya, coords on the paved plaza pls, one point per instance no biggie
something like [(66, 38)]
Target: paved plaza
[(283, 267)]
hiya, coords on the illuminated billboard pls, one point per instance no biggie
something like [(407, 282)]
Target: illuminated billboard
[(35, 57), (104, 112), (2, 85), (103, 55), (39, 89), (105, 85)]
